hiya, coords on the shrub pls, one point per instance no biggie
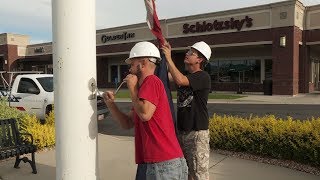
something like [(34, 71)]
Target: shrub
[(50, 118), (43, 134), (279, 138), (7, 112)]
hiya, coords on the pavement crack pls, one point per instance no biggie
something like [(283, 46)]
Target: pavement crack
[(219, 162)]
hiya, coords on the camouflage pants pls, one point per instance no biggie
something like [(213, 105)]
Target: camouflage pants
[(195, 146)]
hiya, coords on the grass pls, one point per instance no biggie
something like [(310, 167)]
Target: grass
[(122, 94)]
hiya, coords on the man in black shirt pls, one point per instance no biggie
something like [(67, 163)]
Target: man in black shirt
[(193, 119)]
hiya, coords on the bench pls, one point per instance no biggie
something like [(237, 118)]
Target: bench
[(12, 144)]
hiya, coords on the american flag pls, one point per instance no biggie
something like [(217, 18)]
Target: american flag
[(161, 71), (153, 21)]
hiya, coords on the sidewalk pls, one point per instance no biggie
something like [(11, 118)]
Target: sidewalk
[(116, 162), (259, 98), (310, 98), (116, 154)]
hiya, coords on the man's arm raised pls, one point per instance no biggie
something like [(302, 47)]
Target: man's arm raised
[(178, 77)]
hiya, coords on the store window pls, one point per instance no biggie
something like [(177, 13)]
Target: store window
[(49, 69), (114, 74), (124, 70), (118, 73), (247, 71)]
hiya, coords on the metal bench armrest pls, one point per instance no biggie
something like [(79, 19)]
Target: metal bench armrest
[(27, 134)]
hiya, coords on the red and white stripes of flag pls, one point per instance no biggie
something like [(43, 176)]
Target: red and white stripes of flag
[(153, 21)]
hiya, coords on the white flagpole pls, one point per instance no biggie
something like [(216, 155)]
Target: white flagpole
[(74, 61)]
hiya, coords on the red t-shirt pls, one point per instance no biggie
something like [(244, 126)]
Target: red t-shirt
[(155, 140)]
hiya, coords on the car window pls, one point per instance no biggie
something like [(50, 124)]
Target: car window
[(46, 83), (25, 84)]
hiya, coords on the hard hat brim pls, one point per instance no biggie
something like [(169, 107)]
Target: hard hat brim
[(129, 60)]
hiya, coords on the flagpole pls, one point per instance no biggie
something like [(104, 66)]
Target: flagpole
[(161, 71), (74, 62)]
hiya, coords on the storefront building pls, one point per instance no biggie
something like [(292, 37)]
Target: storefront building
[(278, 43)]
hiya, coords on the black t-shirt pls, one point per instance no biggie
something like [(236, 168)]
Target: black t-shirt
[(192, 103)]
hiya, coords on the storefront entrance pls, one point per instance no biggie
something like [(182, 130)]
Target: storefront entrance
[(315, 66), (47, 69), (118, 73)]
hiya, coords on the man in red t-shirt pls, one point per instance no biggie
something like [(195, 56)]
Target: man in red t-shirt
[(158, 153)]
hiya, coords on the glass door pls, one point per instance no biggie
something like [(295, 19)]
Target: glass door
[(124, 71), (114, 74)]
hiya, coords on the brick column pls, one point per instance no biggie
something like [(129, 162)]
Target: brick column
[(285, 68), (305, 84), (3, 51), (12, 56)]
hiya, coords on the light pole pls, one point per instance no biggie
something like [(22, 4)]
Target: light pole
[(74, 63)]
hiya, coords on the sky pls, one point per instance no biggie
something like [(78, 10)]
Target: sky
[(33, 17)]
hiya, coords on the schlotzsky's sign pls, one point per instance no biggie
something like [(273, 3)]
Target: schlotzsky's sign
[(216, 25)]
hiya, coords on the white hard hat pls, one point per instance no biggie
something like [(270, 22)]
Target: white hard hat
[(144, 49), (203, 48)]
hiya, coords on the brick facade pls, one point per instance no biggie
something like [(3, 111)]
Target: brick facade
[(10, 53), (285, 74), (312, 35), (3, 52)]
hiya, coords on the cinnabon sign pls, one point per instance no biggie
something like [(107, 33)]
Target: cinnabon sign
[(217, 25)]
